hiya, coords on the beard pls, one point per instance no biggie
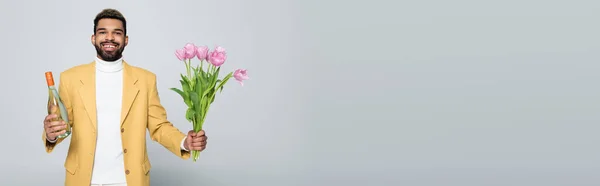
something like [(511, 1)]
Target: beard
[(109, 56)]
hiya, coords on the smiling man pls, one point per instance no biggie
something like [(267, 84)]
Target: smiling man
[(110, 105)]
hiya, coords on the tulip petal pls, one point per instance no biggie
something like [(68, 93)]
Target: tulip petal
[(180, 53)]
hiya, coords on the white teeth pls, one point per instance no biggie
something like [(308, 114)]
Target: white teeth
[(109, 46)]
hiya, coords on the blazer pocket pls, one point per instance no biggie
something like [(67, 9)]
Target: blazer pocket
[(71, 164), (146, 166)]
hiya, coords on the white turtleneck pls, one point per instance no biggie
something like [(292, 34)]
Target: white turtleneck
[(108, 162)]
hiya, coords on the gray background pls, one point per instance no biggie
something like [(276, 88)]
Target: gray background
[(430, 92)]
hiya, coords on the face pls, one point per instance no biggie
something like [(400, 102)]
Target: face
[(110, 39)]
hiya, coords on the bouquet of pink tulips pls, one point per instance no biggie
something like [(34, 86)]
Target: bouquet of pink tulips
[(201, 83)]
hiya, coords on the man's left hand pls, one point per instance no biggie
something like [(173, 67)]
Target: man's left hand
[(195, 141)]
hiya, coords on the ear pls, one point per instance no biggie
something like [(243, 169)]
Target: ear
[(126, 40), (93, 39)]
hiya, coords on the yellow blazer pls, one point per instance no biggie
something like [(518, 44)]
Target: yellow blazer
[(141, 110)]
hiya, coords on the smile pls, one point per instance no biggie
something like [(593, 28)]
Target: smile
[(109, 47)]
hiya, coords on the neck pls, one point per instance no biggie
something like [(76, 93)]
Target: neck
[(109, 66)]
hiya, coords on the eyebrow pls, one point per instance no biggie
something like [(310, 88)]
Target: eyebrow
[(118, 29)]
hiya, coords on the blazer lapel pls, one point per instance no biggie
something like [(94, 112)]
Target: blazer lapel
[(87, 92), (130, 90)]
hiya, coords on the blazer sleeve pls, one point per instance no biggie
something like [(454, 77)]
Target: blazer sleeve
[(160, 129), (63, 92)]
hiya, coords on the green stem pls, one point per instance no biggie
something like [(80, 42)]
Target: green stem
[(205, 111), (202, 64), (197, 128), (194, 122), (187, 68)]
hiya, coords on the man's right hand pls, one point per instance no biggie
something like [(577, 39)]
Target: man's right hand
[(53, 128)]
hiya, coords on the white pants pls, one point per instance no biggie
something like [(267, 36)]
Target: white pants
[(113, 184)]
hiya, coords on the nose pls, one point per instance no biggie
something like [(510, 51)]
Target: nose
[(110, 37)]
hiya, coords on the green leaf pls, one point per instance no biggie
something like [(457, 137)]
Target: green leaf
[(189, 115), (208, 89), (205, 106), (220, 87), (194, 97), (207, 84), (199, 86), (212, 98), (184, 78), (186, 89), (199, 80), (186, 83), (181, 93), (185, 86), (199, 115), (215, 76), (202, 72), (184, 96)]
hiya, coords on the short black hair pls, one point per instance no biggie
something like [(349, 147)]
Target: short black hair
[(110, 13)]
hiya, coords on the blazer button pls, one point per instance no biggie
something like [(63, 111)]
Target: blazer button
[(122, 130), (127, 172), (125, 150)]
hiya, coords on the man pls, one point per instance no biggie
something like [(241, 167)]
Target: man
[(110, 105)]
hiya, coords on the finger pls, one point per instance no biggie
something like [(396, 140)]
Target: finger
[(49, 117), (188, 142), (56, 134), (48, 129), (55, 123), (57, 128), (199, 139), (198, 144), (54, 126), (61, 132), (200, 133)]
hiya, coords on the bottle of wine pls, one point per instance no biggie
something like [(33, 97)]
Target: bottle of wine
[(55, 105)]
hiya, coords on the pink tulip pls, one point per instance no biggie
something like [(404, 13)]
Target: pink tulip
[(218, 56), (202, 52), (180, 53), (190, 50), (240, 75)]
